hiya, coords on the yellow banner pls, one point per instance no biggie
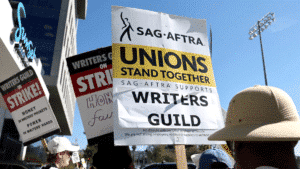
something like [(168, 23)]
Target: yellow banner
[(153, 63)]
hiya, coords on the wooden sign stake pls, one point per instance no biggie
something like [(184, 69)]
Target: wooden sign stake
[(45, 145), (180, 156)]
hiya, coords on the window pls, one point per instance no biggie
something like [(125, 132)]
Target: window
[(48, 27), (66, 31), (49, 35), (64, 81), (70, 12), (61, 75), (67, 46), (65, 88)]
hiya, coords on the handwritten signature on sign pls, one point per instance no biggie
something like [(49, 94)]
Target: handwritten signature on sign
[(103, 117), (99, 100)]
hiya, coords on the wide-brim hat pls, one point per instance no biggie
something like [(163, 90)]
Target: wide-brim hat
[(260, 113), (60, 144)]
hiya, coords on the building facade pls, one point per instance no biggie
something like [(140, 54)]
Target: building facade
[(52, 27), (50, 30), (13, 59)]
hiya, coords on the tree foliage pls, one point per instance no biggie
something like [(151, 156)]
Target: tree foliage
[(159, 153), (89, 153), (35, 154), (166, 153)]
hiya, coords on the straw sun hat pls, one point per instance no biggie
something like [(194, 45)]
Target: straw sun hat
[(260, 113)]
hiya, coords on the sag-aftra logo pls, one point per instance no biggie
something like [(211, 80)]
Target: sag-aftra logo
[(156, 33)]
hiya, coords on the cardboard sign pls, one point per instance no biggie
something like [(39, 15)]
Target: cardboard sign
[(163, 76), (83, 163), (91, 75), (75, 157), (29, 107)]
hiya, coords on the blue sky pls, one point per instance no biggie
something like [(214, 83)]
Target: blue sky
[(237, 61)]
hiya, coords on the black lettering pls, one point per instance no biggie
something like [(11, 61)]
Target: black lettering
[(148, 32), (123, 56), (177, 36), (191, 39), (137, 72), (140, 29), (186, 60), (194, 99), (166, 98), (163, 120), (177, 75), (155, 96), (154, 73), (167, 60), (176, 120), (140, 96), (184, 36), (183, 99), (170, 36), (199, 42), (174, 97), (145, 72), (160, 59), (153, 122), (203, 99), (206, 80), (144, 54), (204, 70), (193, 122), (183, 121), (157, 34)]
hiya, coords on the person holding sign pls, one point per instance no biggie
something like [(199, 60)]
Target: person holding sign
[(262, 128), (60, 149), (118, 156), (212, 159), (79, 166)]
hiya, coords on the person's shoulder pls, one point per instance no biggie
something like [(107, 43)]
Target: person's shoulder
[(48, 167), (266, 167)]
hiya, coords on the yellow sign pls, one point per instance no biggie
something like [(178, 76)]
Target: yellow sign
[(153, 63), (227, 150)]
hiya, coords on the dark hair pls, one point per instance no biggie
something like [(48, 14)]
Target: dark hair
[(218, 165), (266, 143), (51, 158)]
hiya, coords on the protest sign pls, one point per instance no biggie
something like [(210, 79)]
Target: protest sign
[(91, 76), (162, 72), (83, 163), (164, 87), (75, 157), (29, 107)]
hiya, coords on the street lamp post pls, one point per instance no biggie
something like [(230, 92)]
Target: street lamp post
[(260, 27)]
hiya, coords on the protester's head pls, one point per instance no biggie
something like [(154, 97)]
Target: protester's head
[(214, 159), (260, 120), (108, 153), (60, 151)]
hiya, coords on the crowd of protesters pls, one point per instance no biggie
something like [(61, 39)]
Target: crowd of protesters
[(262, 127)]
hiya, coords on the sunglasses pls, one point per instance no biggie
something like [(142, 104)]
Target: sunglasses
[(66, 152)]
